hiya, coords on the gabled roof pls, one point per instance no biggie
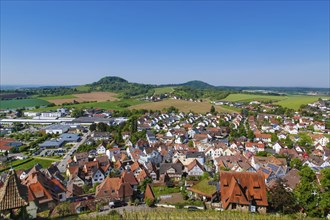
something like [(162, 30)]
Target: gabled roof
[(149, 194), (12, 194), (242, 187), (129, 178)]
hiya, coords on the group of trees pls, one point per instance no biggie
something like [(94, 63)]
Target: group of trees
[(310, 196)]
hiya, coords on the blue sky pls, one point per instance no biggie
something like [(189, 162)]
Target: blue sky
[(233, 43)]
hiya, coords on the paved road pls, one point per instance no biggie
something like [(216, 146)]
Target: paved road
[(63, 163)]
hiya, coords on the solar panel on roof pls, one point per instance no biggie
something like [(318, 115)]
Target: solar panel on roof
[(265, 171), (273, 167)]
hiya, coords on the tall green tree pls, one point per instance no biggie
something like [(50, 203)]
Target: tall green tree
[(307, 192), (281, 200), (325, 195)]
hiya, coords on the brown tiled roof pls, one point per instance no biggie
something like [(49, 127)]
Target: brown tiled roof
[(241, 187), (149, 194), (113, 188), (12, 194), (129, 177), (292, 178), (193, 164)]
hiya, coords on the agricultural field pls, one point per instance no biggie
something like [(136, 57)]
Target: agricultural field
[(21, 103), (83, 97), (112, 105), (290, 101), (163, 90), (182, 105)]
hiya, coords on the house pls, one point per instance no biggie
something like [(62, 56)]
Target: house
[(12, 193), (149, 194), (194, 169), (83, 157), (101, 149), (114, 189), (128, 177), (200, 156), (97, 176), (277, 148), (254, 147), (111, 152), (171, 170), (263, 137), (239, 190)]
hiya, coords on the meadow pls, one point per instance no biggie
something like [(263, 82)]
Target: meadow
[(290, 101), (29, 163), (182, 105), (21, 103), (163, 90)]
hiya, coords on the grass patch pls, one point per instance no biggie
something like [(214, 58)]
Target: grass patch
[(58, 97), (21, 103), (163, 90), (203, 186), (182, 105), (44, 163), (164, 190)]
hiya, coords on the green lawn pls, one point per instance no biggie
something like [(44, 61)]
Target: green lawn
[(21, 103), (111, 105), (163, 90), (44, 163), (204, 187), (58, 97), (164, 190)]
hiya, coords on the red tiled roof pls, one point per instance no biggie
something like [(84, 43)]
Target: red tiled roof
[(242, 187)]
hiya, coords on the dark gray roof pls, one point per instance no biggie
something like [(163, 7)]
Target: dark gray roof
[(92, 120), (166, 166), (195, 155)]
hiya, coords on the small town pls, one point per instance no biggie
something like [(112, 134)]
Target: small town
[(262, 159)]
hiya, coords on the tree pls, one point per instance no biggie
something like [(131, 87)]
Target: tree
[(325, 195), (274, 138), (77, 113), (149, 202), (63, 209), (191, 144), (250, 134), (307, 192), (281, 200), (212, 110), (144, 183), (92, 127), (296, 163)]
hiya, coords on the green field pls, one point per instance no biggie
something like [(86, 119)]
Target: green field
[(295, 102), (291, 101), (45, 163), (58, 97), (21, 103), (203, 186), (163, 90), (83, 88), (252, 97), (164, 190), (112, 105)]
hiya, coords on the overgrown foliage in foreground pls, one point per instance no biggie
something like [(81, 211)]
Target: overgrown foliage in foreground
[(178, 214)]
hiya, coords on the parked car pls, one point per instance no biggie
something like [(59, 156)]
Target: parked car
[(117, 203), (192, 208)]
